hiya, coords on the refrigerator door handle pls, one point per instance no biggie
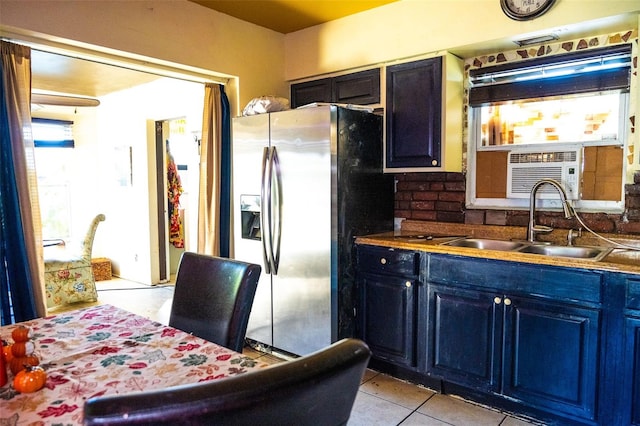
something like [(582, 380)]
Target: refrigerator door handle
[(277, 230), (265, 209)]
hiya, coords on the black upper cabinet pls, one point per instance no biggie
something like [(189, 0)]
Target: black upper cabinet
[(424, 115), (311, 91), (361, 88), (414, 114)]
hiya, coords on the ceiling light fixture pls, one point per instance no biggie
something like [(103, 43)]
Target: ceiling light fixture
[(536, 40), (63, 100)]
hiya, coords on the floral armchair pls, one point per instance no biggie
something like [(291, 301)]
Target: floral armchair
[(68, 276)]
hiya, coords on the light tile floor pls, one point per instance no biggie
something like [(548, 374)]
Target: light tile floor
[(382, 400)]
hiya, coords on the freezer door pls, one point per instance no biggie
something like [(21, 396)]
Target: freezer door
[(250, 137), (302, 287)]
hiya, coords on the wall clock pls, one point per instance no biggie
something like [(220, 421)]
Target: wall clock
[(522, 10)]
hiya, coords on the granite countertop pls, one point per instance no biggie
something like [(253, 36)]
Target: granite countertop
[(429, 236)]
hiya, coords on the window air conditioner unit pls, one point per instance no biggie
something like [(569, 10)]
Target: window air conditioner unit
[(525, 168)]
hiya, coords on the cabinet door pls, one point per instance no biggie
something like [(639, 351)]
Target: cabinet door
[(360, 88), (414, 113), (551, 355), (388, 317), (311, 91), (464, 340), (632, 368)]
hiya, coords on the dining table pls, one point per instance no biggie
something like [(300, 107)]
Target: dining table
[(104, 350)]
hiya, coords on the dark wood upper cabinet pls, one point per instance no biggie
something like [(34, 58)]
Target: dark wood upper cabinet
[(414, 100), (424, 115), (311, 91), (361, 88)]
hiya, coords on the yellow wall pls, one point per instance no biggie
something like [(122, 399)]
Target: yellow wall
[(176, 31), (415, 27), (467, 28)]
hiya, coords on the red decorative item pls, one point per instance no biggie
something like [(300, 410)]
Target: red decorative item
[(6, 352)]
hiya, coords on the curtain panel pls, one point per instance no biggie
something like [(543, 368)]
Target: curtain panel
[(215, 174), (21, 257)]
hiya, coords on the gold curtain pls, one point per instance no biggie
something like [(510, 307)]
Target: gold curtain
[(16, 64), (210, 166)]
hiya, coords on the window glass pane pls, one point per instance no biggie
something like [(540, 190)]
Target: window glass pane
[(54, 191), (52, 133), (577, 118)]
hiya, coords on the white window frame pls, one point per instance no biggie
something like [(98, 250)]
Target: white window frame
[(474, 145)]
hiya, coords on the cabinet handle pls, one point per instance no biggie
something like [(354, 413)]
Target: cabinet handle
[(408, 284), (507, 301), (497, 300), (383, 261)]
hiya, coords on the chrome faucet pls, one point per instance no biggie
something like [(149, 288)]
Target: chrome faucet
[(532, 228)]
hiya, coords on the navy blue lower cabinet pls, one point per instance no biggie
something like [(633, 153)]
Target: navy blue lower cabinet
[(551, 355), (631, 372), (464, 329), (388, 317), (560, 344), (541, 353), (388, 282), (632, 368)]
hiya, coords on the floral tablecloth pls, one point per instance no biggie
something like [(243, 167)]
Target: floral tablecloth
[(104, 350)]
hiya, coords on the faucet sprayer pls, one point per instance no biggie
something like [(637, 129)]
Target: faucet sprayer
[(534, 229)]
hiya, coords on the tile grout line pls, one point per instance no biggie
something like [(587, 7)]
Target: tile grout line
[(418, 407)]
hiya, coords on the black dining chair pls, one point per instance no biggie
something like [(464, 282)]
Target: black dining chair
[(213, 298), (316, 389)]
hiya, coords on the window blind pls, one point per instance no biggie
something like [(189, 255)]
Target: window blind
[(574, 73)]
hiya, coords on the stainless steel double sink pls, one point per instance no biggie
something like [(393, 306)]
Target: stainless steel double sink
[(577, 252)]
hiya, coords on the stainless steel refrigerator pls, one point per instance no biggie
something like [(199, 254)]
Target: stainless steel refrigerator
[(305, 183)]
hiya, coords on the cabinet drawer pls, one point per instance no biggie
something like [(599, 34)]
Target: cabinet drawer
[(633, 294), (388, 261), (518, 278)]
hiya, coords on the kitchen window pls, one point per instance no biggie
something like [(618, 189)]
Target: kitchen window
[(562, 117)]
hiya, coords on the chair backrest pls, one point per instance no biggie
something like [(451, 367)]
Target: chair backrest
[(317, 389), (213, 298), (87, 244)]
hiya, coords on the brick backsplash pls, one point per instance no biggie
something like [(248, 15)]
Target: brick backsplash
[(440, 197), (430, 196)]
